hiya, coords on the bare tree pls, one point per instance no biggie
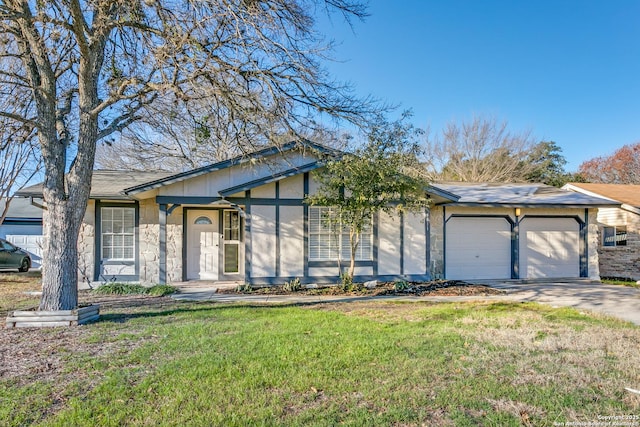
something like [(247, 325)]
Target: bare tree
[(91, 67), (480, 150), (175, 138), (18, 160)]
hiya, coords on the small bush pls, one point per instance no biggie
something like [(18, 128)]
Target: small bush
[(134, 289), (117, 288), (400, 286), (346, 282), (244, 288), (292, 285)]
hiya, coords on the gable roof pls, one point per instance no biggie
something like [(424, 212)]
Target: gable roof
[(22, 209), (265, 152), (517, 195), (106, 184), (119, 185), (625, 193)]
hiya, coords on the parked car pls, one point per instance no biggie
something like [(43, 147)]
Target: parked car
[(12, 257)]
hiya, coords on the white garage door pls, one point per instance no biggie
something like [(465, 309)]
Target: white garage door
[(549, 247), (478, 248), (31, 244)]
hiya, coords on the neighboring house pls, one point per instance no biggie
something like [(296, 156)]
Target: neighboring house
[(245, 220), (23, 227), (619, 248)]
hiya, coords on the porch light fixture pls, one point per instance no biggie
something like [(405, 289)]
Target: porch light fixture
[(518, 212), (233, 206), (221, 202)]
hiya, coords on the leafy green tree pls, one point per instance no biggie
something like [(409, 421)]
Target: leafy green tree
[(383, 175), (545, 163)]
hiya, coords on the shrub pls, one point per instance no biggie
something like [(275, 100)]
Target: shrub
[(117, 288), (292, 285), (400, 286), (346, 282), (244, 287)]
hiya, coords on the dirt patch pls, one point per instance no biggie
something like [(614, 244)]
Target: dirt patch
[(435, 288), (39, 354)]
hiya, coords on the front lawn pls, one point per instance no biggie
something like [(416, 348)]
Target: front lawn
[(368, 363), (14, 288)]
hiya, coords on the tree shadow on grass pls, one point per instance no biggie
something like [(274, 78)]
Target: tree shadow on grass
[(164, 309)]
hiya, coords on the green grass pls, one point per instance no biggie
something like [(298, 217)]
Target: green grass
[(12, 291), (355, 364), (623, 282)]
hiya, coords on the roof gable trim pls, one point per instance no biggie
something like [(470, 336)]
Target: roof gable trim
[(265, 152), (271, 178)]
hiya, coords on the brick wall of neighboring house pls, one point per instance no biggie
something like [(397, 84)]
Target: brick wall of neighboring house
[(620, 261)]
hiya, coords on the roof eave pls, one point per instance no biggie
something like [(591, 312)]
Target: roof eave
[(531, 205)]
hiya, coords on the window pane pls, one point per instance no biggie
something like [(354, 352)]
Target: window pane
[(621, 236), (202, 220), (117, 253), (118, 233), (608, 236), (231, 258)]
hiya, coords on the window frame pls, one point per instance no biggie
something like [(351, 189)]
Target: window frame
[(617, 230), (340, 249), (123, 234)]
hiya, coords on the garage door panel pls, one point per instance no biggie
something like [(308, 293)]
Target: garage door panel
[(549, 247), (478, 248)]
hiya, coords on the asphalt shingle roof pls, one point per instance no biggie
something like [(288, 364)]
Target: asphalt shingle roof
[(107, 184), (625, 193), (518, 194)]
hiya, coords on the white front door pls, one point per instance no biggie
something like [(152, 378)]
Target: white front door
[(203, 241)]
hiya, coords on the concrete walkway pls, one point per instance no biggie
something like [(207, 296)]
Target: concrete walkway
[(617, 301)]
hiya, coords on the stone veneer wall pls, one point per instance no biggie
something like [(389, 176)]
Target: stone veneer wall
[(86, 247), (436, 248), (622, 261), (149, 251), (150, 244), (592, 245), (174, 246)]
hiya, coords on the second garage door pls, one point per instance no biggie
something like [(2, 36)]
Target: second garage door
[(549, 247), (478, 248)]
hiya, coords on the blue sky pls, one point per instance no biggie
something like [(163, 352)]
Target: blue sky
[(566, 70)]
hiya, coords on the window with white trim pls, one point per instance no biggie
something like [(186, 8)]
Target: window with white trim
[(614, 236), (328, 239), (118, 233)]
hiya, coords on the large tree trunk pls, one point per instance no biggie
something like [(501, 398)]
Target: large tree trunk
[(60, 258)]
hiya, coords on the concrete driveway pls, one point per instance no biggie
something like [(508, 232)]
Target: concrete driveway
[(622, 302), (618, 301)]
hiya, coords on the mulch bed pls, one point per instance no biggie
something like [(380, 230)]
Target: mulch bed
[(435, 288)]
